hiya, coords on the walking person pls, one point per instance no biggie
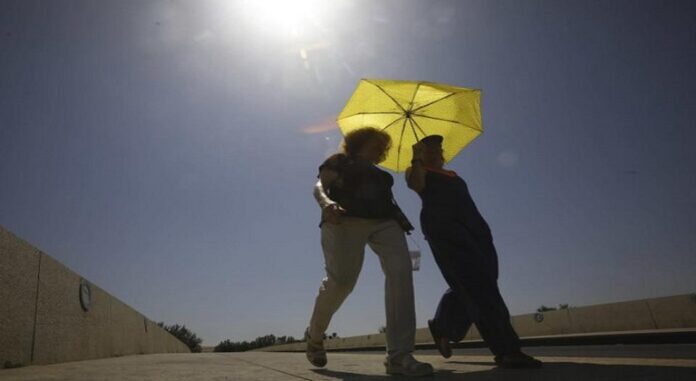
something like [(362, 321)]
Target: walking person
[(462, 244), (358, 210)]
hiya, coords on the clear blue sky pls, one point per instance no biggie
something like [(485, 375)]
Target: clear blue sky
[(166, 150)]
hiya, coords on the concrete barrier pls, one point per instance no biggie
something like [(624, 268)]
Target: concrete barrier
[(42, 320), (674, 312), (19, 271), (636, 316), (624, 316)]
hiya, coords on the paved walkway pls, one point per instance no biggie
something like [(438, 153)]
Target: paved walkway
[(345, 366)]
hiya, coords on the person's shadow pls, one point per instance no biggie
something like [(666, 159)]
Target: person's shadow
[(557, 371)]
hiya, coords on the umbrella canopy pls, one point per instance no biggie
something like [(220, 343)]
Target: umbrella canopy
[(409, 111)]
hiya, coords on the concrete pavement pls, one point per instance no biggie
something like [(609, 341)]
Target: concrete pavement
[(345, 366)]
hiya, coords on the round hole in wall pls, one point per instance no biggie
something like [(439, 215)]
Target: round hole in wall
[(85, 295)]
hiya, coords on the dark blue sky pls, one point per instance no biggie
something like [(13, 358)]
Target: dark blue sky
[(166, 150)]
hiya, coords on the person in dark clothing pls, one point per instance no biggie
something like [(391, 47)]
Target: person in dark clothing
[(462, 244)]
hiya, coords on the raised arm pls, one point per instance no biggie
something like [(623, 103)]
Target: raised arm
[(415, 177), (415, 174)]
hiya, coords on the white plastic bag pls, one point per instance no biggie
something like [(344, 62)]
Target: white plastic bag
[(415, 259)]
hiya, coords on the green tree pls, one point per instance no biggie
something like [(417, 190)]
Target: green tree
[(543, 308), (260, 342), (184, 334)]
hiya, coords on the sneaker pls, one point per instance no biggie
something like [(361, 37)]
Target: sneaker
[(517, 360), (441, 343), (408, 366), (316, 354)]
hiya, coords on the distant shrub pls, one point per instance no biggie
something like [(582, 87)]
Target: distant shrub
[(185, 335), (544, 308), (260, 342)]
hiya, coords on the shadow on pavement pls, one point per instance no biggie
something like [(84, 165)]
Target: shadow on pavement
[(550, 371), (443, 374)]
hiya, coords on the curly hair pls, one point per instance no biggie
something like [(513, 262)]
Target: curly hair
[(356, 139)]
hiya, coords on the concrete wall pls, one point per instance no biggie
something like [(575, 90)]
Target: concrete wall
[(42, 321), (667, 313), (19, 272)]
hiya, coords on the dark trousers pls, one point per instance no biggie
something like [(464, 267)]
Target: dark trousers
[(469, 263)]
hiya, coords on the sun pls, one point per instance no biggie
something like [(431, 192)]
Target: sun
[(284, 17)]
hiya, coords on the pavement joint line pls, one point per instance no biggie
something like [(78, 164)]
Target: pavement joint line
[(274, 369)]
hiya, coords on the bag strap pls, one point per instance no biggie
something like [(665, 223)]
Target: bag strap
[(401, 217)]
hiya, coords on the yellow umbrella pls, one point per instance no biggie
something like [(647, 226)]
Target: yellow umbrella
[(409, 111)]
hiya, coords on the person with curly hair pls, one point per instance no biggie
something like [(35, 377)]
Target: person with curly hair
[(357, 210)]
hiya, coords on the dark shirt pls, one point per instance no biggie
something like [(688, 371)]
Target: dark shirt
[(362, 189), (446, 201)]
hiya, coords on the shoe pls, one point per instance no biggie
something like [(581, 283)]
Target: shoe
[(517, 360), (441, 343), (408, 366), (316, 354)]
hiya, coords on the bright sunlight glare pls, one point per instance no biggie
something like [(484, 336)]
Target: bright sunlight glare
[(283, 17)]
